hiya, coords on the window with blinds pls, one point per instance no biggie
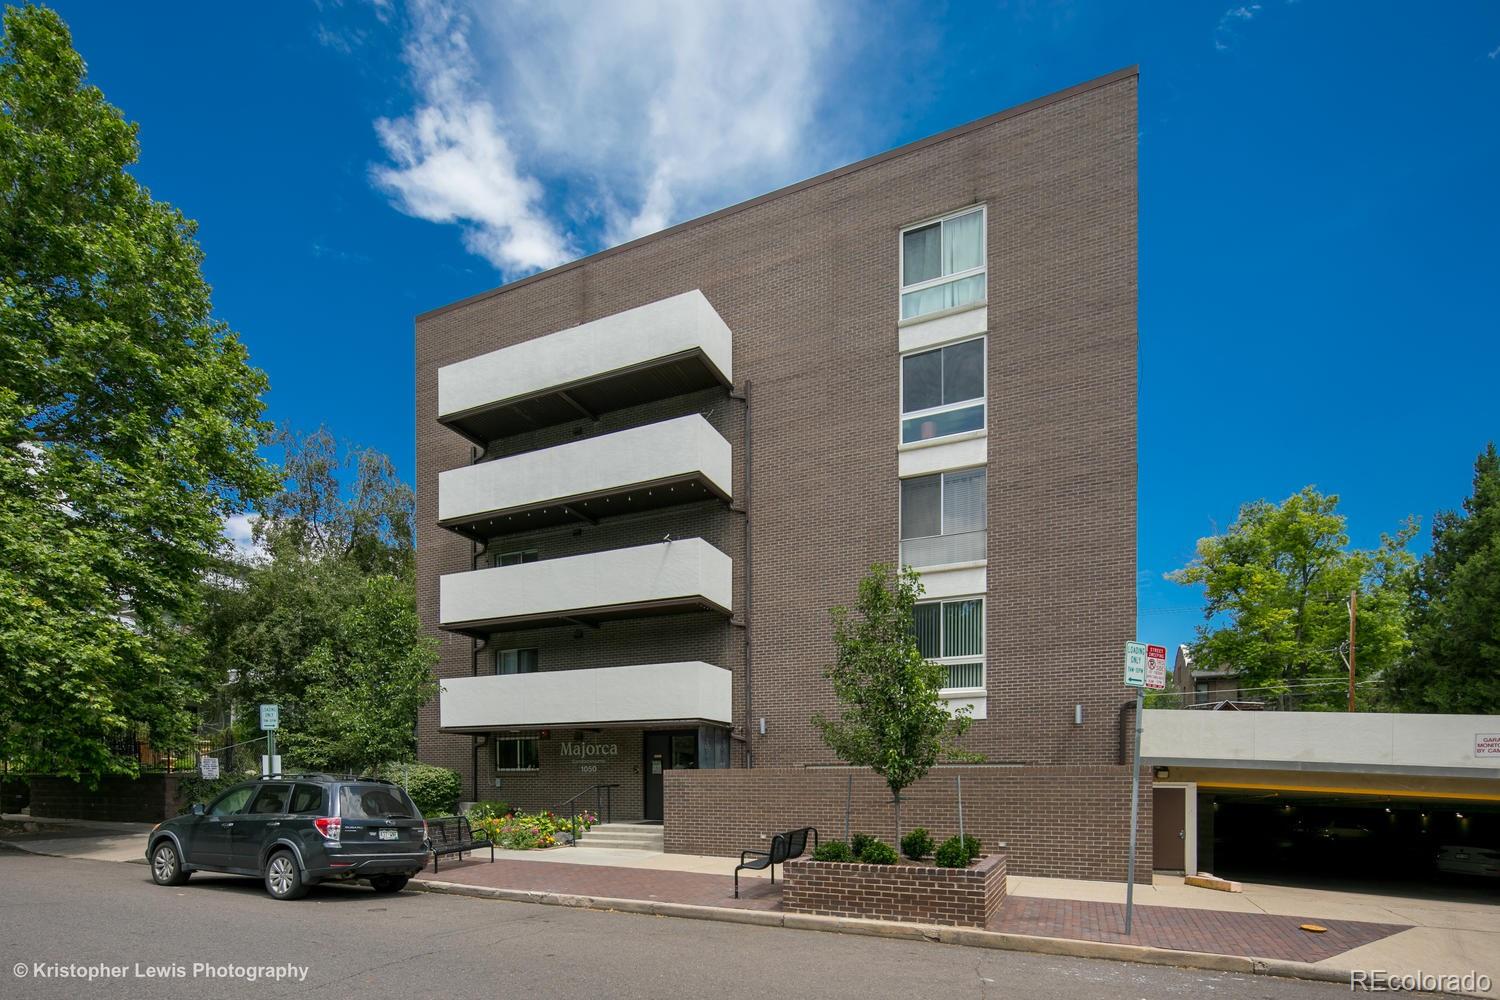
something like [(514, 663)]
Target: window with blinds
[(943, 264), (952, 633), (943, 518)]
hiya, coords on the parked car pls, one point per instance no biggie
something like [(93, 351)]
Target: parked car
[(1457, 859), (294, 832)]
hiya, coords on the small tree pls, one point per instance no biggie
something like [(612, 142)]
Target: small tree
[(893, 720)]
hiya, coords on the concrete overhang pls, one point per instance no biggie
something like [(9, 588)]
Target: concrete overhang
[(672, 577), (642, 468), (666, 348), (605, 697)]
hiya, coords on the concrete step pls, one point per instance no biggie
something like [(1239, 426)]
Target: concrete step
[(624, 836)]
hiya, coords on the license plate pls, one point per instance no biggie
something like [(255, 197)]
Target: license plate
[(389, 834)]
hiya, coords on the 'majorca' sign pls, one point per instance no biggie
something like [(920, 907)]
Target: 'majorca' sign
[(590, 750)]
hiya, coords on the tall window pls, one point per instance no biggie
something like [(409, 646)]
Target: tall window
[(942, 391), (943, 518), (942, 264), (516, 661), (952, 633), (516, 755)]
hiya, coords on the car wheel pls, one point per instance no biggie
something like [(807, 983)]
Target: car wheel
[(389, 883), (283, 879), (166, 864)]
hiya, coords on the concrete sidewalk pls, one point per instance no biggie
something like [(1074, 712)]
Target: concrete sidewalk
[(75, 838)]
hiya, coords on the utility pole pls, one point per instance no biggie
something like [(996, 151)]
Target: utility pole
[(1353, 614)]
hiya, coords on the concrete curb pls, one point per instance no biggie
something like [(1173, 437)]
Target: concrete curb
[(969, 937)]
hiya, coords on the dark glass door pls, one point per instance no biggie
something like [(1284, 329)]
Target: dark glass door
[(663, 752)]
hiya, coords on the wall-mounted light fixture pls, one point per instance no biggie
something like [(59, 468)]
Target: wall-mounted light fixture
[(1077, 715), (763, 725)]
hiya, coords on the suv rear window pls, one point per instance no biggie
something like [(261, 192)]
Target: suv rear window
[(375, 802)]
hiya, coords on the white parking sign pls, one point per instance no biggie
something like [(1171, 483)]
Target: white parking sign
[(270, 716), (1135, 664)]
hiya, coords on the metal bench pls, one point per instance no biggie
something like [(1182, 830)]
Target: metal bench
[(453, 835), (784, 847)]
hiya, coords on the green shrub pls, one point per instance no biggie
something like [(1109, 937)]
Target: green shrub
[(917, 844), (951, 854), (435, 790), (833, 850), (878, 852), (487, 810), (971, 847), (859, 842)]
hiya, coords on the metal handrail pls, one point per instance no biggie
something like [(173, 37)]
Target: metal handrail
[(572, 804)]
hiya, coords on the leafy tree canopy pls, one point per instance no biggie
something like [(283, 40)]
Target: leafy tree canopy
[(893, 720), (129, 423), (1454, 661), (1277, 585), (324, 622)]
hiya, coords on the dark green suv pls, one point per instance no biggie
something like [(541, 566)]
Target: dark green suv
[(294, 832)]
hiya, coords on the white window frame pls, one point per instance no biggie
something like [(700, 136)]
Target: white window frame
[(983, 399), (943, 279), (517, 649), (518, 739), (942, 488), (982, 658)]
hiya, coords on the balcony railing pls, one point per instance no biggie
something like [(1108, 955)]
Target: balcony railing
[(665, 578), (656, 465), (690, 692), (665, 348), (944, 550)]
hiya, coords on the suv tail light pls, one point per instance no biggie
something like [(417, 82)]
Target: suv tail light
[(329, 826)]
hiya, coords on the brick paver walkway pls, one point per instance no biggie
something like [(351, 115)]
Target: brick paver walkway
[(1262, 935), (1256, 934), (613, 882)]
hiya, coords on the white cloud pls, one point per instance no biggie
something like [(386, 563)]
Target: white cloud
[(1495, 52), (1225, 35), (550, 130), (239, 531)]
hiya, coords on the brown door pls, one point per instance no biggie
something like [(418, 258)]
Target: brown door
[(1169, 829)]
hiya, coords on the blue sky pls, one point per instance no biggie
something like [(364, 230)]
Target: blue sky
[(1320, 197)]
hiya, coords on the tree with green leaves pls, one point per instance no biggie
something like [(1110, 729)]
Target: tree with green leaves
[(323, 622), (893, 720), (1454, 661), (129, 425), (1277, 586)]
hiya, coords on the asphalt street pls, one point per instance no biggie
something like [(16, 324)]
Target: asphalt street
[(63, 914)]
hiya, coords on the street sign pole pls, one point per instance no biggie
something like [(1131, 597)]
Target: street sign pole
[(1135, 808)]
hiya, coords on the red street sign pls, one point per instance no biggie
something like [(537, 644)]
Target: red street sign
[(1156, 668)]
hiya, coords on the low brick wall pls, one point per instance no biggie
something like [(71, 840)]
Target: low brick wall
[(1063, 822), (146, 799), (963, 897)]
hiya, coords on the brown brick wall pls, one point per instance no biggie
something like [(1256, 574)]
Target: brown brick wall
[(807, 281), (963, 897), (1065, 822), (146, 799), (560, 778)]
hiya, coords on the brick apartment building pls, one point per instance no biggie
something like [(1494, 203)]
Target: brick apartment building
[(645, 477)]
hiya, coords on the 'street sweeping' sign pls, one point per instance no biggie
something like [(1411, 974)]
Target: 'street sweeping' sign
[(1156, 668)]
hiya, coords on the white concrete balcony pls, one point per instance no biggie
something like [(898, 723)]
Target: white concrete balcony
[(643, 468), (598, 696), (665, 348), (665, 578)]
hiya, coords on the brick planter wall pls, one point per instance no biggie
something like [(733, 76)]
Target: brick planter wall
[(146, 799), (1062, 822), (964, 897)]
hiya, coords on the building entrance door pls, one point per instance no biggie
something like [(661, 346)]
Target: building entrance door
[(1169, 829), (665, 751)]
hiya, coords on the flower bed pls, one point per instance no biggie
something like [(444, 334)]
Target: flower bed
[(528, 831), (915, 893)]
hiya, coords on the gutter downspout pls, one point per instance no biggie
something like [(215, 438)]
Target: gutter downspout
[(749, 592)]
